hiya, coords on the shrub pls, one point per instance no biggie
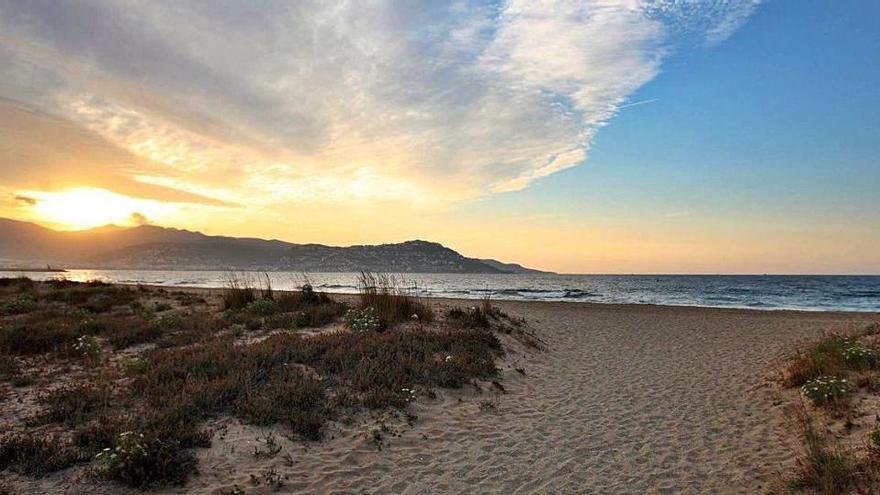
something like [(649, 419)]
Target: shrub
[(262, 307), (189, 328), (25, 453), (286, 320), (134, 366), (292, 398), (170, 322), (144, 462), (874, 437), (362, 320), (41, 332), (24, 303), (9, 368), (248, 320), (857, 355), (122, 331), (320, 314), (468, 318), (76, 404), (377, 366), (97, 435), (834, 355), (125, 331), (20, 284), (301, 299), (21, 381), (826, 390), (305, 308), (129, 450), (95, 297), (87, 346)]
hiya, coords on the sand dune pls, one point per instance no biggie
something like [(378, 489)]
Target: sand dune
[(627, 399)]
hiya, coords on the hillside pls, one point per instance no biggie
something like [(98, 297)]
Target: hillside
[(151, 247)]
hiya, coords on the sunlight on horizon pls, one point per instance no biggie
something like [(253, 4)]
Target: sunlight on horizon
[(86, 207)]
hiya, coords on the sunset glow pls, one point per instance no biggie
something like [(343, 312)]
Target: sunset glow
[(84, 208)]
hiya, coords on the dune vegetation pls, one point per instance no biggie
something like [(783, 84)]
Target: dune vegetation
[(837, 380), (121, 380)]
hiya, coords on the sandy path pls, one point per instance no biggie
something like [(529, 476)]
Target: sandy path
[(628, 399)]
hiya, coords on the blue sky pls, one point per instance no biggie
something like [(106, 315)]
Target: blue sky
[(735, 136), (784, 112), (778, 125)]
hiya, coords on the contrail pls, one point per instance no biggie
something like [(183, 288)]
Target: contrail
[(637, 103)]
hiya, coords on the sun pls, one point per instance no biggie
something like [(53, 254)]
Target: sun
[(86, 207)]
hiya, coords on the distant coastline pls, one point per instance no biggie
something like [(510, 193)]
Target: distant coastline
[(48, 269)]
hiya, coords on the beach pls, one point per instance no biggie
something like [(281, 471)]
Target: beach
[(626, 399), (620, 399)]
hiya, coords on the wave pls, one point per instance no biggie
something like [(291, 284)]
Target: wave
[(336, 286)]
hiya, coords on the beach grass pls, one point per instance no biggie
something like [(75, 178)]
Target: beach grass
[(392, 302), (824, 466)]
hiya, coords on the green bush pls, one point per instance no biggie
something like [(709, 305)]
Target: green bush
[(832, 356), (133, 366), (24, 303), (170, 322), (162, 306), (857, 355), (875, 439), (311, 315), (87, 346), (144, 462), (826, 390), (362, 320), (262, 307)]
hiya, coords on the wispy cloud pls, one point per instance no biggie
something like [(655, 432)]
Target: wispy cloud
[(427, 103)]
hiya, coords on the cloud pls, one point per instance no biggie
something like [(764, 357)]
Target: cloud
[(711, 22), (138, 219), (24, 200), (425, 103)]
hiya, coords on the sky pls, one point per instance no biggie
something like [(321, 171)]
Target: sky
[(605, 136)]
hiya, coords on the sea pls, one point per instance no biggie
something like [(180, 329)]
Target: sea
[(764, 292)]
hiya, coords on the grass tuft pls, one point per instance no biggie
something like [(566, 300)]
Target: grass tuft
[(822, 467), (392, 303)]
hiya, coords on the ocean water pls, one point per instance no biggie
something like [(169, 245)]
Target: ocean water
[(801, 292)]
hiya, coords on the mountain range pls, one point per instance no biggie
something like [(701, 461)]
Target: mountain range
[(160, 248)]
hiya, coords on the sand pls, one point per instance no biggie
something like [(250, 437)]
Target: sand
[(626, 399)]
